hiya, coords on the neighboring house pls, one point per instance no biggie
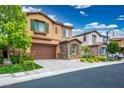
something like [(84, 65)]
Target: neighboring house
[(119, 40), (47, 37), (95, 41)]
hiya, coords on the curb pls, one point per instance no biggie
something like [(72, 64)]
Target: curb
[(53, 73)]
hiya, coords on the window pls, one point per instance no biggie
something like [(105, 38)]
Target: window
[(93, 38), (84, 38), (104, 39), (102, 51), (66, 33), (74, 49), (39, 26), (56, 30)]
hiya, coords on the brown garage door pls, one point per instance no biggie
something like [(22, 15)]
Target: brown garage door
[(41, 51)]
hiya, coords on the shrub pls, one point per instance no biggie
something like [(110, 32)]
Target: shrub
[(103, 59), (98, 58), (28, 65), (20, 59), (19, 67), (27, 57), (1, 60), (15, 59), (90, 60), (111, 59), (82, 59)]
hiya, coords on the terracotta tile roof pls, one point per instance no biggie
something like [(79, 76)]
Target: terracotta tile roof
[(29, 13), (68, 40)]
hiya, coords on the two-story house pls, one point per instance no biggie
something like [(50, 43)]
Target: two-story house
[(95, 41), (50, 39)]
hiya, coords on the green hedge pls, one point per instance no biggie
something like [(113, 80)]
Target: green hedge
[(1, 60), (26, 66), (20, 59), (93, 59)]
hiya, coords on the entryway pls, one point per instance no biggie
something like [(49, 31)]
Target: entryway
[(5, 55)]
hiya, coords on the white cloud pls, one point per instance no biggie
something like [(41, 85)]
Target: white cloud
[(120, 18), (83, 13), (30, 9), (68, 24), (76, 30), (92, 24), (97, 25), (120, 33), (112, 26), (82, 6), (53, 17)]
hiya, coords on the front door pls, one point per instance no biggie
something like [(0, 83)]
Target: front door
[(5, 53)]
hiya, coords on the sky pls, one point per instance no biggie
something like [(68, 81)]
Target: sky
[(85, 17)]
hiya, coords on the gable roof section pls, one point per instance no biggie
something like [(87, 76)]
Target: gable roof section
[(58, 23), (69, 40), (89, 33)]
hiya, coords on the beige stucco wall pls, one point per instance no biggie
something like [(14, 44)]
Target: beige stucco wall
[(54, 37), (120, 42), (89, 39)]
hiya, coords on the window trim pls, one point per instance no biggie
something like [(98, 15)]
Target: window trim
[(85, 38), (93, 41), (66, 33), (74, 49), (38, 32), (102, 51)]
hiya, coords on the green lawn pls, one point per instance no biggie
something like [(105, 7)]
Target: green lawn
[(27, 66)]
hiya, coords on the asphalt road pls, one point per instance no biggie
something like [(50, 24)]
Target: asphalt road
[(111, 76)]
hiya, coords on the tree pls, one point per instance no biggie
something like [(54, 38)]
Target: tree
[(86, 50), (13, 27), (113, 47)]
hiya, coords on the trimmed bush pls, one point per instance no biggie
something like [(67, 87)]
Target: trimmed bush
[(1, 60), (90, 60), (15, 59), (103, 59), (82, 59), (20, 59), (27, 57), (111, 59)]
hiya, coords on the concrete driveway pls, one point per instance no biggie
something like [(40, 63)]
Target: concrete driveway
[(55, 64)]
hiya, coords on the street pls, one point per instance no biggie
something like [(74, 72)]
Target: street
[(111, 76)]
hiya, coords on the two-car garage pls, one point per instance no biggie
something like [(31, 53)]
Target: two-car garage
[(43, 51)]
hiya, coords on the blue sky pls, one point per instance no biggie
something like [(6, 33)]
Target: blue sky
[(86, 17)]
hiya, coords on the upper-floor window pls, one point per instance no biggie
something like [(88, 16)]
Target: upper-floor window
[(66, 33), (93, 38), (84, 38), (39, 26), (104, 39), (56, 30)]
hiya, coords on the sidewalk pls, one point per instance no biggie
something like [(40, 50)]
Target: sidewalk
[(51, 67)]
